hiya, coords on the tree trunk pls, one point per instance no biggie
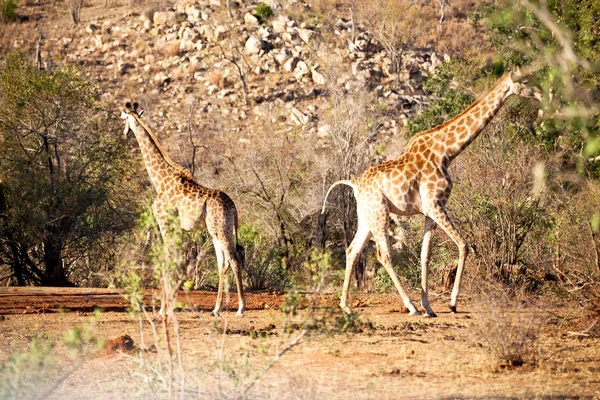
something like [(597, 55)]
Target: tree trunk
[(321, 234), (284, 243), (55, 271), (18, 268)]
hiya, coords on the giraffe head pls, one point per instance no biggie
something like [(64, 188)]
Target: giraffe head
[(129, 113), (518, 85)]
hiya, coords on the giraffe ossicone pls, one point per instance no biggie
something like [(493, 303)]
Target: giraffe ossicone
[(196, 206), (418, 182)]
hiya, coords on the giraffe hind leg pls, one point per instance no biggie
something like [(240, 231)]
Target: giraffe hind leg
[(235, 261), (352, 253), (379, 228), (221, 269)]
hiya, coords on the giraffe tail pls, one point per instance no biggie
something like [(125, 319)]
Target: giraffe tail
[(342, 182)]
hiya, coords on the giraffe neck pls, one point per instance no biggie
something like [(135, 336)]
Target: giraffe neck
[(457, 133), (158, 164)]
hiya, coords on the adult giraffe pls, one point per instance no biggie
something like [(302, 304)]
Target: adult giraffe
[(196, 205), (418, 183)]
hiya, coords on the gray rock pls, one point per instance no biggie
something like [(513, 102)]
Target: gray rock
[(162, 18), (250, 19), (317, 77), (194, 14), (254, 45), (298, 117), (280, 24), (305, 34), (290, 64), (91, 28), (220, 32)]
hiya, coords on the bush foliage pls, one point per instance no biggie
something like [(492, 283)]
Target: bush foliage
[(8, 10), (64, 177)]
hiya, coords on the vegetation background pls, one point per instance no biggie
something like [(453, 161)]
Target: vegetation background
[(526, 192), (272, 102)]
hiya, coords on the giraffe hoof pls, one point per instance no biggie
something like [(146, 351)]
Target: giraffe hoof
[(216, 314), (239, 314), (430, 314), (347, 309), (414, 312), (452, 308)]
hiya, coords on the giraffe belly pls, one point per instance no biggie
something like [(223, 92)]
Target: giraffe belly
[(404, 209), (403, 201), (190, 220)]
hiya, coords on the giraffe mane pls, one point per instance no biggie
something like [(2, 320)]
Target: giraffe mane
[(465, 111), (184, 171)]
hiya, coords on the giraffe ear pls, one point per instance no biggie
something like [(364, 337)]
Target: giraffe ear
[(128, 105), (135, 106)]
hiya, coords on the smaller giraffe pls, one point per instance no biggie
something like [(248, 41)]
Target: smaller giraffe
[(195, 205), (418, 182)]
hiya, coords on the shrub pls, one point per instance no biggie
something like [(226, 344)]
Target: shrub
[(263, 12), (262, 267), (60, 225), (9, 8), (509, 335), (75, 10), (502, 219)]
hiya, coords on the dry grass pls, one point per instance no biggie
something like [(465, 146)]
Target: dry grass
[(193, 67), (399, 354), (507, 330), (170, 49), (216, 78), (452, 36), (177, 74), (12, 38)]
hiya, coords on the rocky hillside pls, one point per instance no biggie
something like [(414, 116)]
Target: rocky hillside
[(197, 56)]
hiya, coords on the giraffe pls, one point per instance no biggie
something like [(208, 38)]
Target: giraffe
[(196, 205), (418, 182)]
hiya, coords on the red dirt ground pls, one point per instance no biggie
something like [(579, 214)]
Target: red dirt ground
[(37, 300), (394, 357)]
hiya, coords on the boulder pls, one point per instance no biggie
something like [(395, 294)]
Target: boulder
[(280, 24), (162, 18), (301, 70), (305, 34), (254, 45), (317, 77), (91, 28), (250, 19), (194, 14), (298, 117), (324, 131), (290, 64)]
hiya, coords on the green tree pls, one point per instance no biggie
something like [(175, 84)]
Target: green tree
[(64, 176), (560, 39)]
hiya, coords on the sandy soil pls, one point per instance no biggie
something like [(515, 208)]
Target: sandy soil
[(391, 355)]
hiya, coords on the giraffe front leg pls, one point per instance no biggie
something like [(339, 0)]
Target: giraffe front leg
[(352, 252), (162, 219), (441, 218), (425, 253)]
